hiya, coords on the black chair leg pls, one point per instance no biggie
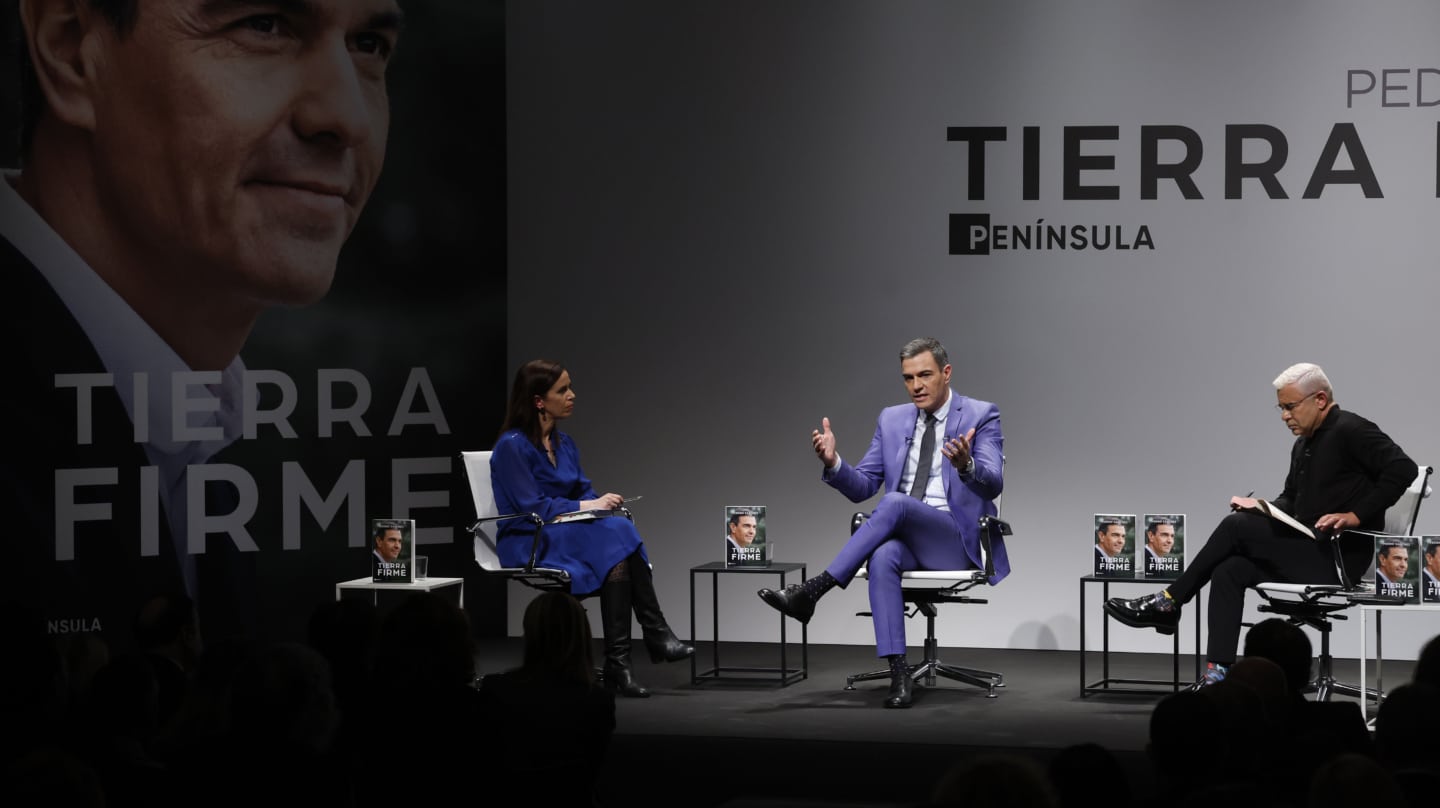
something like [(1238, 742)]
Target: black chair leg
[(1325, 684), (883, 673), (931, 666), (970, 676)]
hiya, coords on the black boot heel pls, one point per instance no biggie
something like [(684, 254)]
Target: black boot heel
[(660, 640), (620, 682), (666, 647)]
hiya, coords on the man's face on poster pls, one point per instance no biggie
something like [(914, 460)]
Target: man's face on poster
[(1394, 562), (236, 143), (1111, 539), (742, 530), (1161, 538), (389, 543)]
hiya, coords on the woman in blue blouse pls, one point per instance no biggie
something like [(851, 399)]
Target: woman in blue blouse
[(535, 468)]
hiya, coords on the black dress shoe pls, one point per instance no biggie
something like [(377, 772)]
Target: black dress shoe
[(902, 690), (1149, 611), (791, 601)]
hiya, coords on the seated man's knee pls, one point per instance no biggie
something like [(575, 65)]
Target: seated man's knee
[(888, 556), (1241, 521), (1236, 570), (894, 499)]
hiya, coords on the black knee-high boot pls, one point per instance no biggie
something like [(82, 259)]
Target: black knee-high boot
[(615, 615), (660, 641)]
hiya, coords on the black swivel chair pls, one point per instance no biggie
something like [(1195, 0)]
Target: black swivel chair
[(930, 589), (1317, 605)]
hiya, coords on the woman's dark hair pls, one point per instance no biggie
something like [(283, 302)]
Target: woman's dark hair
[(557, 639), (425, 646), (534, 378)]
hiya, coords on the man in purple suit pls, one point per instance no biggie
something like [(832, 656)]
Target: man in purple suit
[(929, 517)]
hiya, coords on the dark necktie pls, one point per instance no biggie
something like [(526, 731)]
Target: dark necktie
[(927, 455)]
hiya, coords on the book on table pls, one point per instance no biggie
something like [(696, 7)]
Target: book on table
[(745, 542), (1397, 567), (1164, 546), (392, 550), (1430, 569), (1113, 545)]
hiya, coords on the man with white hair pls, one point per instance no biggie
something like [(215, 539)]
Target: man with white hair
[(1344, 473)]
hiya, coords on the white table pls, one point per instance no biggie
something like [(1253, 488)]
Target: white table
[(1379, 609), (422, 585)]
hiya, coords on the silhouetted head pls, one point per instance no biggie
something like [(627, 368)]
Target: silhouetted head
[(1285, 644), (558, 639)]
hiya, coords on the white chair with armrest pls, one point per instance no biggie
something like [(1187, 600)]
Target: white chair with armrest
[(487, 516), (477, 473), (1316, 605), (487, 557), (925, 590)]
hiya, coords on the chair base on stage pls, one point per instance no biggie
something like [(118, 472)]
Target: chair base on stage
[(930, 667)]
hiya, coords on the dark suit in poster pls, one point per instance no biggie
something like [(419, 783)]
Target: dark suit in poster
[(119, 559)]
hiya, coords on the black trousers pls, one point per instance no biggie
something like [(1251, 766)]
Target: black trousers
[(1247, 549)]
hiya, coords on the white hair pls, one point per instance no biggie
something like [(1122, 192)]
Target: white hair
[(1309, 377)]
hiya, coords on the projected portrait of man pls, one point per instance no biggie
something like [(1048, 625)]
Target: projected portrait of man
[(184, 168)]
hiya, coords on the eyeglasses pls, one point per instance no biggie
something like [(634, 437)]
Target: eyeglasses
[(1292, 405)]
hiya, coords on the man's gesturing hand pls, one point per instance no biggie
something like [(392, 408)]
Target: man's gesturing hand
[(823, 440)]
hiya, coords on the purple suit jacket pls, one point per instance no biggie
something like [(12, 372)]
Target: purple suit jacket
[(884, 463)]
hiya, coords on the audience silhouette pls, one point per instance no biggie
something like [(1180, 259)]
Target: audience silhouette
[(424, 701), (167, 631), (85, 726), (994, 780), (346, 632), (1427, 665), (1075, 770), (1349, 779), (555, 718), (1309, 733)]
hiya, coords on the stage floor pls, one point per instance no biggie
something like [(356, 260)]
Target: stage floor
[(753, 743)]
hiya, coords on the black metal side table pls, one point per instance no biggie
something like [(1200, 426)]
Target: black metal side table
[(784, 675), (1107, 683)]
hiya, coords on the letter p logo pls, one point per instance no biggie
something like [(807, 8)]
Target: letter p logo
[(969, 234)]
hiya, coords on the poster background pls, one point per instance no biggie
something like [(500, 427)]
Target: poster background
[(420, 285)]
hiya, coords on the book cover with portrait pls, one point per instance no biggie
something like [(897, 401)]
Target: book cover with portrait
[(745, 544), (1162, 546), (1430, 569), (1397, 567), (1113, 545), (392, 550)]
